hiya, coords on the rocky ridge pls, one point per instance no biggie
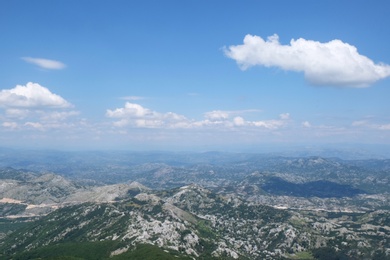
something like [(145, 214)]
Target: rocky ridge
[(247, 210)]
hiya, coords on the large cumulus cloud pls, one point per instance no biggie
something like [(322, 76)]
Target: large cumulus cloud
[(34, 106), (31, 95), (333, 63)]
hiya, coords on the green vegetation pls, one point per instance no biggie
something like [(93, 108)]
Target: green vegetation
[(81, 250), (149, 252), (328, 253), (97, 250), (235, 216), (321, 189), (204, 229), (8, 225), (301, 256), (298, 223), (184, 233), (7, 209)]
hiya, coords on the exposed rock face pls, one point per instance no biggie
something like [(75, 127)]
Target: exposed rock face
[(197, 222), (36, 189), (237, 210), (103, 193)]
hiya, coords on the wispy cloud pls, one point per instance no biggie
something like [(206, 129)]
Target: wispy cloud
[(372, 125), (333, 63), (45, 63), (10, 125), (35, 125)]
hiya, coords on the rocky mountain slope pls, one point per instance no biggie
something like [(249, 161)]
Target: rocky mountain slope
[(250, 207), (26, 193), (193, 221)]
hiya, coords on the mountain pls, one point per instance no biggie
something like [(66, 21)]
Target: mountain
[(211, 205), (25, 193), (192, 221)]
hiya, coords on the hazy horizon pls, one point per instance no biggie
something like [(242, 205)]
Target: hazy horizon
[(344, 151)]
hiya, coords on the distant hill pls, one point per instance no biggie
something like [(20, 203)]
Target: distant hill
[(102, 205), (193, 222)]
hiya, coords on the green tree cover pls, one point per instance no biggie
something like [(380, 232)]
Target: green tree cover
[(96, 250)]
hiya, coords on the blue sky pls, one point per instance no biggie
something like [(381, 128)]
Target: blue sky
[(193, 74)]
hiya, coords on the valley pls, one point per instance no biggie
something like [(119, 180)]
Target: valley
[(199, 206)]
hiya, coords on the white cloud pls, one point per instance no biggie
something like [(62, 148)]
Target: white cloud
[(45, 63), (46, 118), (32, 95), (384, 127), (138, 116), (332, 63), (269, 124), (238, 121), (284, 116), (135, 115), (17, 113), (221, 115), (35, 125), (366, 123), (306, 124), (57, 115), (35, 107), (131, 110), (217, 115), (11, 125)]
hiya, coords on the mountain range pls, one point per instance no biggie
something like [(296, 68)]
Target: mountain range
[(205, 206)]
